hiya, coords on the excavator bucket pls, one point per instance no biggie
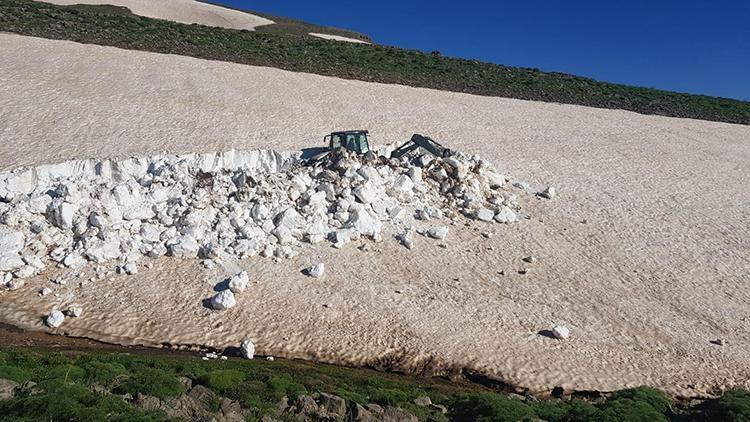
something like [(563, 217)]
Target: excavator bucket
[(420, 141)]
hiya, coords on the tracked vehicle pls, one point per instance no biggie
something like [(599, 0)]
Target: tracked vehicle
[(357, 141)]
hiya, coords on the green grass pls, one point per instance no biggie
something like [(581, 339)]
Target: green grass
[(106, 26), (150, 381), (222, 380), (65, 382)]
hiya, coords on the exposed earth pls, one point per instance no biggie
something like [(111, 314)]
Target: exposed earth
[(644, 254)]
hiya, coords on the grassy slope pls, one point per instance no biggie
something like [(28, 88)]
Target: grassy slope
[(66, 381), (352, 61)]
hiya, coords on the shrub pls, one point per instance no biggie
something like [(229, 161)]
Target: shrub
[(634, 404), (733, 406), (389, 396), (191, 369), (23, 359), (56, 359), (488, 407), (103, 373), (570, 410), (285, 385), (222, 380), (60, 400), (655, 398), (65, 372), (14, 374), (152, 382), (627, 410)]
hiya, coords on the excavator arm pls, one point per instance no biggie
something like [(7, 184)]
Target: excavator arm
[(424, 142)]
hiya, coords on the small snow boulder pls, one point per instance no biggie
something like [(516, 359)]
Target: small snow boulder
[(403, 183), (485, 214), (74, 311), (289, 218), (247, 349), (11, 244), (185, 246), (365, 193), (11, 241), (238, 282), (316, 270), (406, 239), (130, 268), (561, 332), (438, 232), (548, 193), (494, 180), (364, 223), (223, 300), (506, 215), (54, 319), (63, 215)]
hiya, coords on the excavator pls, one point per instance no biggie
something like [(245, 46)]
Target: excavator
[(356, 141)]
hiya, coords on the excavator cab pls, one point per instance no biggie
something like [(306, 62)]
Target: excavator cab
[(352, 140)]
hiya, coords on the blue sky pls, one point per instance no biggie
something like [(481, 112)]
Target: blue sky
[(700, 47)]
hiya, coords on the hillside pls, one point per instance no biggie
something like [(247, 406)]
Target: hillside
[(275, 47), (159, 201), (637, 254), (288, 26), (182, 11), (211, 14)]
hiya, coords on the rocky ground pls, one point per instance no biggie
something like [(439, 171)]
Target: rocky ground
[(197, 402)]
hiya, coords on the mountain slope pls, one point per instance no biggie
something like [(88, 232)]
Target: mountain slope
[(643, 253), (354, 61)]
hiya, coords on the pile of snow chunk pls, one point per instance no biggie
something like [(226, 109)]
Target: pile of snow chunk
[(238, 203)]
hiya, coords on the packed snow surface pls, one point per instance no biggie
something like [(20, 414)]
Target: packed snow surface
[(644, 252), (338, 38)]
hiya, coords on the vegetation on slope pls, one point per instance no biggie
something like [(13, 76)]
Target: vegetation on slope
[(352, 61), (289, 26), (99, 386)]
